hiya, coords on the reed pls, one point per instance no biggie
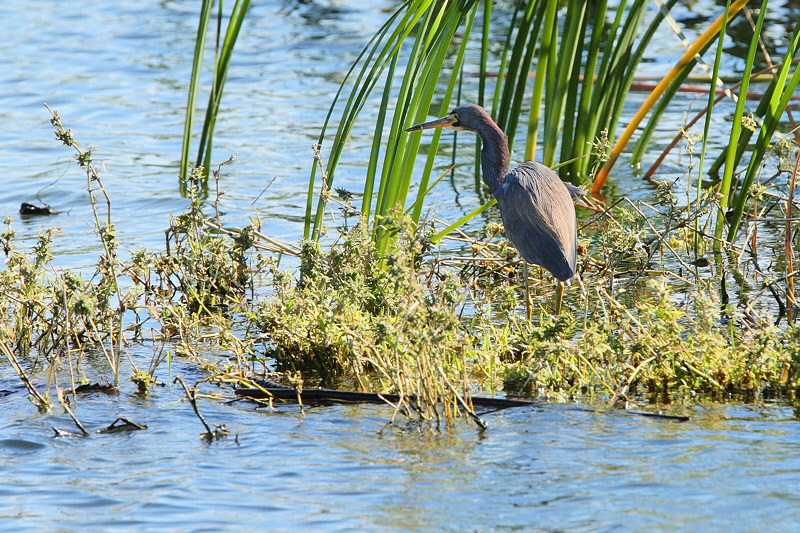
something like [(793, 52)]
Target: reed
[(707, 124), (736, 128), (417, 56), (771, 107), (778, 100), (684, 63), (223, 52), (194, 82), (411, 321)]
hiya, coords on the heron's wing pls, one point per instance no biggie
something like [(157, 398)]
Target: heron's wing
[(539, 218)]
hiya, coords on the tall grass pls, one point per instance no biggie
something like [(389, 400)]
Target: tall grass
[(571, 66), (416, 58), (778, 101), (707, 124), (736, 128), (433, 27), (771, 108), (223, 49), (662, 89)]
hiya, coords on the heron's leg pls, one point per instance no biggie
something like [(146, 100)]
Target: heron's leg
[(528, 306), (559, 296)]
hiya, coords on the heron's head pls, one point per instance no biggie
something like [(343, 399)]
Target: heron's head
[(466, 117)]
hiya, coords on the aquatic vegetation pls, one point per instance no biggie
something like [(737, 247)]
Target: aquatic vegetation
[(389, 323), (432, 327), (654, 316), (60, 320), (223, 53), (659, 350), (577, 99), (628, 333)]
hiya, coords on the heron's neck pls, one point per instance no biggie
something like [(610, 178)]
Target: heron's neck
[(494, 155)]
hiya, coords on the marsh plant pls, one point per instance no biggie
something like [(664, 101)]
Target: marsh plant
[(634, 322), (387, 322), (48, 313), (656, 350), (435, 325), (185, 297)]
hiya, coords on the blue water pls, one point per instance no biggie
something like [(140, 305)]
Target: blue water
[(341, 469), (117, 73)]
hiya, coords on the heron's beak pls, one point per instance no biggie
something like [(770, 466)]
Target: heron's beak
[(438, 123)]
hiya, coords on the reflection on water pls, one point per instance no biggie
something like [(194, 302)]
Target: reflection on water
[(117, 73)]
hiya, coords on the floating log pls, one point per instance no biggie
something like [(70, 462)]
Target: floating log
[(329, 395)]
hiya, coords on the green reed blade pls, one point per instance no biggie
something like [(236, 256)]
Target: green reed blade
[(601, 87), (463, 220), (571, 101), (762, 145), (689, 55), (447, 96), (627, 62), (745, 135), (420, 96), (576, 11), (498, 88), (768, 99), (369, 50), (487, 19), (441, 33), (707, 124), (197, 62), (583, 135), (736, 126), (666, 98), (221, 75), (372, 166), (207, 125), (371, 72), (515, 71), (404, 108), (515, 109), (421, 197), (546, 52)]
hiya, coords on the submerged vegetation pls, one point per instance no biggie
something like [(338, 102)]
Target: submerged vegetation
[(665, 308)]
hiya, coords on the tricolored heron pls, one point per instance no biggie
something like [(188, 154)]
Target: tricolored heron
[(536, 206)]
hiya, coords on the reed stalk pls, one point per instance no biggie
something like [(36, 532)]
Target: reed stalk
[(707, 124), (223, 48), (416, 56), (736, 128), (778, 102), (683, 63)]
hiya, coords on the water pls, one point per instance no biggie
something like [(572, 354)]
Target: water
[(117, 73), (548, 469)]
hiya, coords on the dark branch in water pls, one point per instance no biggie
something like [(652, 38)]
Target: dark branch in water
[(328, 395), (210, 435), (122, 424)]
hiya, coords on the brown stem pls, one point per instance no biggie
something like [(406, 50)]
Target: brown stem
[(789, 267), (193, 400)]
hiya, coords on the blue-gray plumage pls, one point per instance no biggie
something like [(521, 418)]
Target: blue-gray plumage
[(536, 206), (539, 218)]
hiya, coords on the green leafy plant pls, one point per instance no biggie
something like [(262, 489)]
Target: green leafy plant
[(392, 329)]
